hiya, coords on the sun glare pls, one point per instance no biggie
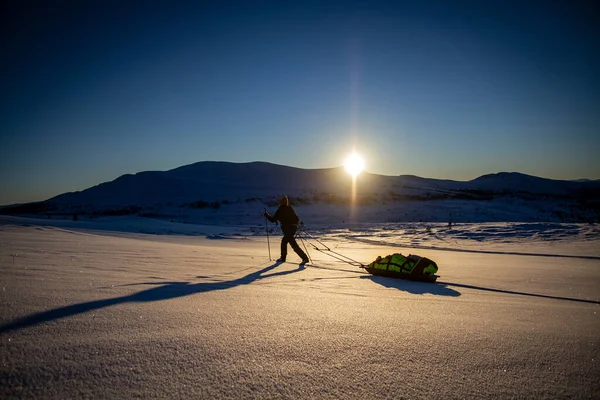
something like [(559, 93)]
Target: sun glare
[(354, 164)]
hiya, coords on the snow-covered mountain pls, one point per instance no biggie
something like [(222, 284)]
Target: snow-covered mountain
[(215, 191)]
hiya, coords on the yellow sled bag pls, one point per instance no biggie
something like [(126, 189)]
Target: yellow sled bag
[(398, 266)]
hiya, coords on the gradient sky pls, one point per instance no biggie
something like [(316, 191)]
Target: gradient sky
[(446, 89)]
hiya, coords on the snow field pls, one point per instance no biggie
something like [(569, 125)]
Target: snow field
[(108, 314)]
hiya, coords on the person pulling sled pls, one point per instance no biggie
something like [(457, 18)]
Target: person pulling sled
[(289, 221)]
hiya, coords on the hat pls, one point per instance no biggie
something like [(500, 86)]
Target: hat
[(284, 201)]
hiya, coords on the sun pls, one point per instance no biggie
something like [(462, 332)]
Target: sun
[(354, 164)]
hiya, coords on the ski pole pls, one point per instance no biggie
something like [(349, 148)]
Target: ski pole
[(304, 244), (267, 229)]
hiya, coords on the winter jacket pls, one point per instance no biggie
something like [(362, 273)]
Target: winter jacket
[(286, 216)]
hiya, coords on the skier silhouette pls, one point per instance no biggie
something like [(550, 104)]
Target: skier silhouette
[(286, 215)]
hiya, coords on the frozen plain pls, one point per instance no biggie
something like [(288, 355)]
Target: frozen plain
[(91, 311)]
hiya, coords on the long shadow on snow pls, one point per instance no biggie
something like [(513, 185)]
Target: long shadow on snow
[(165, 291), (442, 289), (414, 287), (544, 296)]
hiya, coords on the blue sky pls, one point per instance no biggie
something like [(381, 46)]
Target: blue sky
[(436, 89)]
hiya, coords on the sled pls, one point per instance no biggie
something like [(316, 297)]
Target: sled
[(413, 267)]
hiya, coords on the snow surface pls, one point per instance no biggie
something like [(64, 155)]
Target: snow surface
[(135, 307)]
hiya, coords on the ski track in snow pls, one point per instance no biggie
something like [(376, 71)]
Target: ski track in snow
[(104, 310)]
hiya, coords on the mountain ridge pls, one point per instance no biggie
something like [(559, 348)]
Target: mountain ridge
[(184, 190)]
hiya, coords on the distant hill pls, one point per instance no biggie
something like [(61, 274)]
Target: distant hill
[(212, 191), (517, 182)]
